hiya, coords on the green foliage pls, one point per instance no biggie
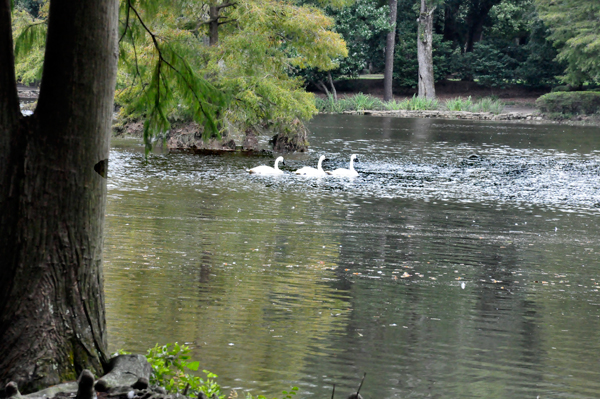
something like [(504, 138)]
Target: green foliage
[(486, 104), (458, 104), (32, 7), (363, 25), (574, 26), (421, 104), (574, 102), (170, 369), (363, 102), (488, 65), (168, 72), (30, 38)]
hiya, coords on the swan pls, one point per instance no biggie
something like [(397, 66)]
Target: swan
[(267, 170), (341, 172), (312, 172)]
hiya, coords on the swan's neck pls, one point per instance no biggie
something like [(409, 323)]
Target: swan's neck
[(351, 164), (277, 164), (320, 165)]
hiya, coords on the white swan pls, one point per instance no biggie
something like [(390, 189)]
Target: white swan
[(341, 172), (312, 172), (267, 170)]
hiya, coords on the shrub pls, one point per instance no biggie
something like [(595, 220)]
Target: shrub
[(170, 365), (459, 104), (487, 104), (574, 102), (421, 104), (361, 102)]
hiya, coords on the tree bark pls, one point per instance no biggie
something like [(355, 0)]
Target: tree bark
[(52, 196), (390, 44), (213, 25), (425, 51), (332, 86)]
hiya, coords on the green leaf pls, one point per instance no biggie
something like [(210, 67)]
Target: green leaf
[(193, 366)]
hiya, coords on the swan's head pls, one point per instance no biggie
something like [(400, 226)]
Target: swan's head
[(280, 159), (353, 158), (322, 158)]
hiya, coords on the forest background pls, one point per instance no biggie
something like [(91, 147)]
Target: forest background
[(263, 55)]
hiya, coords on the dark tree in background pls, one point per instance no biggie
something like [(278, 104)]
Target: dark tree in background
[(52, 196)]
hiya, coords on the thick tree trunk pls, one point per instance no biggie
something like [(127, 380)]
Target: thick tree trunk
[(390, 44), (425, 51), (52, 196)]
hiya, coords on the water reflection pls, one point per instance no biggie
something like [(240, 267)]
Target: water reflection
[(438, 273)]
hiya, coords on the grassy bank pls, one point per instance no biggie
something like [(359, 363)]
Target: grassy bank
[(362, 102)]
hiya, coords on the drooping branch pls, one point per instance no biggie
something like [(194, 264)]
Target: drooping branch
[(9, 100), (160, 79)]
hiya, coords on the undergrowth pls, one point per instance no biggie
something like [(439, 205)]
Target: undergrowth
[(172, 367)]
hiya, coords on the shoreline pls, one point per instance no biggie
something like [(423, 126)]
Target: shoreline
[(513, 116)]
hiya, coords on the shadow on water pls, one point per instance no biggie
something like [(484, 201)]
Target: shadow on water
[(461, 263)]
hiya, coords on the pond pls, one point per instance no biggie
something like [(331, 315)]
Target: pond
[(462, 262)]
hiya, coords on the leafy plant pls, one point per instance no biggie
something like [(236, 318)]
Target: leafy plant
[(361, 102), (459, 104), (170, 369), (487, 105), (422, 104)]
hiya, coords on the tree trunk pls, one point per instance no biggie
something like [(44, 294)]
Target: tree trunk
[(213, 25), (476, 19), (390, 44), (332, 85), (52, 196), (425, 51)]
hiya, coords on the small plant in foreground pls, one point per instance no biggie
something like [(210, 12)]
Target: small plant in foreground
[(170, 369)]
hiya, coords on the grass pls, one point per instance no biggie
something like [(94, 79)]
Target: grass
[(364, 102)]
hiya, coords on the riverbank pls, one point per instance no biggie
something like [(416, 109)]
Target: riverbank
[(487, 116)]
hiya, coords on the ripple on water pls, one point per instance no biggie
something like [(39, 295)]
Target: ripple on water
[(437, 272)]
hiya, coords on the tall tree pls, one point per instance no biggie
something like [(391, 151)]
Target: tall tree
[(52, 196), (425, 50), (575, 25), (390, 44)]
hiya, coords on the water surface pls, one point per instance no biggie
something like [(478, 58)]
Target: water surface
[(463, 262)]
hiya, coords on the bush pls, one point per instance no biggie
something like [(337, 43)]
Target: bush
[(574, 102), (170, 369), (459, 104), (487, 104)]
